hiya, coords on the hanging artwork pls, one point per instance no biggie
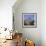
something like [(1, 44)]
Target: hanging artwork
[(29, 20)]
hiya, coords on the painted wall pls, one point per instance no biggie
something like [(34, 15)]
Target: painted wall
[(43, 23), (6, 16), (6, 13), (29, 6)]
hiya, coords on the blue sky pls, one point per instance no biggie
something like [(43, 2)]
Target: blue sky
[(30, 17)]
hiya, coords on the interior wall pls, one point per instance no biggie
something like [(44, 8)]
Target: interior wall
[(31, 6), (6, 13), (43, 23)]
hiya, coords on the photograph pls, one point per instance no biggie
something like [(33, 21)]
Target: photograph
[(29, 19)]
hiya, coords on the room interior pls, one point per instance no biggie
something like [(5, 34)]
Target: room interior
[(13, 32)]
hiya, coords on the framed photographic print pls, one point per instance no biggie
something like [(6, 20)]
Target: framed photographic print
[(29, 20)]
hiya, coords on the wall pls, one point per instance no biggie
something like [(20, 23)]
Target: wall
[(6, 16), (29, 6), (43, 23), (6, 13)]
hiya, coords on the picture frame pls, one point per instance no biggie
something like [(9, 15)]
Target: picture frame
[(29, 20)]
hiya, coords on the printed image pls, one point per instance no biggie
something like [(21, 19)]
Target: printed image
[(29, 19)]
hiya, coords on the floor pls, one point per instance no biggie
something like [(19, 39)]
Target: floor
[(9, 43)]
